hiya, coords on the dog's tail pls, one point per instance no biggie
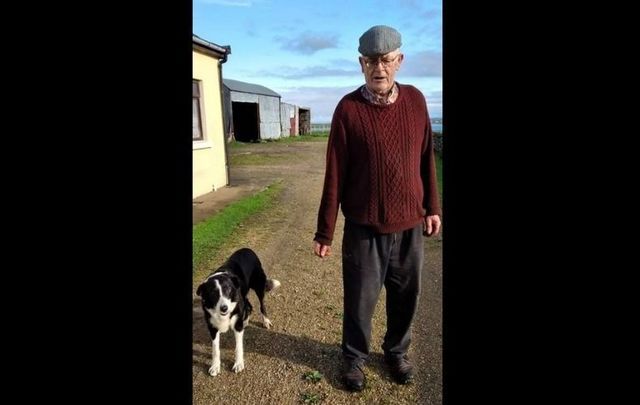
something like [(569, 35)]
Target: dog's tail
[(272, 284)]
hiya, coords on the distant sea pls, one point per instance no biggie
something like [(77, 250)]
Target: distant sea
[(436, 127)]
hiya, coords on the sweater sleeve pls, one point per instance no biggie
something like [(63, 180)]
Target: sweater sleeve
[(336, 163), (431, 201)]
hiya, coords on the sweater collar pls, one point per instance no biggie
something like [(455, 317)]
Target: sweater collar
[(373, 98)]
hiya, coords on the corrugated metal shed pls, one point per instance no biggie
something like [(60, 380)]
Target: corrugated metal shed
[(289, 119), (243, 87), (254, 111)]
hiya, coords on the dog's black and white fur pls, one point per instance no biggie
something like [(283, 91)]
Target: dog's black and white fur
[(225, 303)]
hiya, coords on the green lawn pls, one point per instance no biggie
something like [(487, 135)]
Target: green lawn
[(317, 137), (210, 234)]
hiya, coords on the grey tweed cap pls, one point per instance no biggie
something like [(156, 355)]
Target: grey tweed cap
[(379, 40)]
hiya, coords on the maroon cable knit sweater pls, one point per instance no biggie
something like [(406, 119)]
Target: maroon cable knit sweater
[(380, 165)]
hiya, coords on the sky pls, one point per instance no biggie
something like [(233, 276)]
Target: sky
[(307, 51)]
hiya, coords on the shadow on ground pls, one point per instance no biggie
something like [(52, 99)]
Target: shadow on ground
[(325, 358)]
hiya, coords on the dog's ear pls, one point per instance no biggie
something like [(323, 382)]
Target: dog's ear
[(235, 280), (199, 290), (237, 289)]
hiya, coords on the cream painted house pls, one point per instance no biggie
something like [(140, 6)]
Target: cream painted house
[(210, 163)]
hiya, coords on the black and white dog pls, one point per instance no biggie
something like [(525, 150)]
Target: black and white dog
[(225, 303)]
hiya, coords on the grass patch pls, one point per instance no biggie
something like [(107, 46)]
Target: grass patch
[(210, 234), (256, 159), (313, 376), (309, 398), (315, 137), (237, 145)]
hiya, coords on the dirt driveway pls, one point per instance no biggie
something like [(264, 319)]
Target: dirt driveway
[(307, 310)]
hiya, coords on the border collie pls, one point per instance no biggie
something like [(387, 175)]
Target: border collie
[(225, 303)]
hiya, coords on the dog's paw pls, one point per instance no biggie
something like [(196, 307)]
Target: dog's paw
[(266, 322), (238, 366), (214, 370)]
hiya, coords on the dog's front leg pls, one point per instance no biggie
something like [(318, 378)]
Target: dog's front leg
[(214, 370), (238, 366)]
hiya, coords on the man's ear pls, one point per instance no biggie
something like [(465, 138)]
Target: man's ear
[(199, 290), (361, 63)]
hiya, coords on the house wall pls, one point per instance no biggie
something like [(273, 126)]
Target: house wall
[(269, 110), (209, 159)]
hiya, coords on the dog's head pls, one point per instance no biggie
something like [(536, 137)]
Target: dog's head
[(220, 294)]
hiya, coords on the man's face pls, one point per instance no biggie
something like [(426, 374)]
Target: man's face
[(380, 71)]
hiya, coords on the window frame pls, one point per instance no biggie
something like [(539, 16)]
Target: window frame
[(196, 92)]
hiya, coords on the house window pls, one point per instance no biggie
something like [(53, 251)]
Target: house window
[(198, 134)]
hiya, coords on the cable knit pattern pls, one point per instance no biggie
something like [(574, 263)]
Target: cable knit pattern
[(380, 165)]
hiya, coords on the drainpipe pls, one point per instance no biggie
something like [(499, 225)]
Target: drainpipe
[(227, 51)]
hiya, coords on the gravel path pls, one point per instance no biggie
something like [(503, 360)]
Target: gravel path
[(306, 311)]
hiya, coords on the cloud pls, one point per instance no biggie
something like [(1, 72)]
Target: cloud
[(250, 28), (426, 63), (434, 103), (308, 43), (435, 95), (321, 100), (433, 14), (310, 72)]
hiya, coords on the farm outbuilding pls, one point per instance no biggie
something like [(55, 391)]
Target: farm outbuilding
[(288, 119), (295, 120), (252, 111), (304, 118)]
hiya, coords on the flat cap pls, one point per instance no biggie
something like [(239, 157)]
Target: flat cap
[(379, 40)]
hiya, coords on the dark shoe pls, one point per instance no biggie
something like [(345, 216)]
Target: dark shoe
[(401, 369), (353, 376)]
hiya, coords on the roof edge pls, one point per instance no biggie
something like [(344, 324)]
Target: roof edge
[(221, 49)]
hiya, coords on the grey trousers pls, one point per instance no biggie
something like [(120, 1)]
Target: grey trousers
[(369, 261)]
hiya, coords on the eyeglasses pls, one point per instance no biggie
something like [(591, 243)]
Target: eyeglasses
[(385, 62)]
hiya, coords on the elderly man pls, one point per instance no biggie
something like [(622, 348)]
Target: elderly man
[(380, 170)]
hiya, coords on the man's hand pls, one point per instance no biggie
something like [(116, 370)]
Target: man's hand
[(321, 250), (431, 225)]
